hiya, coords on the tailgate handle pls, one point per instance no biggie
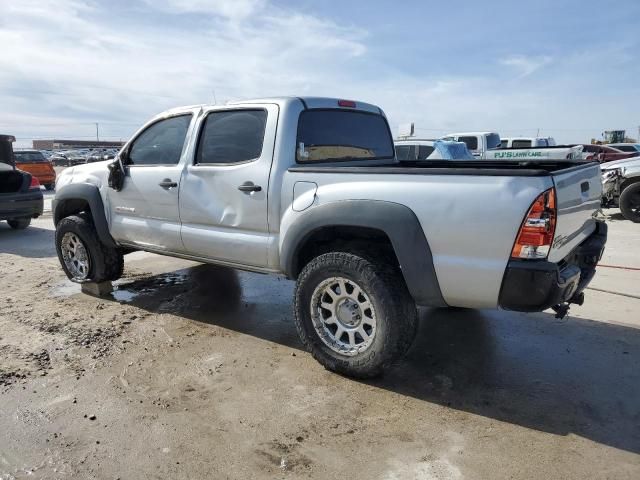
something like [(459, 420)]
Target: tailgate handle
[(584, 187)]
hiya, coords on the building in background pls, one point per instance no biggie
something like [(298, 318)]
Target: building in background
[(71, 144)]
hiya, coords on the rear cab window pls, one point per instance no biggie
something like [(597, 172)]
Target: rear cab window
[(330, 135), (29, 157), (521, 144), (471, 142)]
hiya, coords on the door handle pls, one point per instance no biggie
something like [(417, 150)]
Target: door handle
[(168, 183), (249, 187)]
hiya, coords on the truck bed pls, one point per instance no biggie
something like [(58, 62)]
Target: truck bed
[(470, 211)]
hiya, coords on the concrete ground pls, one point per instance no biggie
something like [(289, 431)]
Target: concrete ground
[(191, 371)]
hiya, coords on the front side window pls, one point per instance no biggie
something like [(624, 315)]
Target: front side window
[(161, 143), (234, 136), (471, 142), (334, 135)]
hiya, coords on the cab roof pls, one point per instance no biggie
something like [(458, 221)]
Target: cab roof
[(283, 101)]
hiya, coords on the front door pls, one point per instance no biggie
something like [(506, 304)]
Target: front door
[(223, 194), (145, 212)]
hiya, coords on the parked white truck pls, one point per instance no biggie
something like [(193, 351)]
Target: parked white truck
[(310, 188), (487, 146)]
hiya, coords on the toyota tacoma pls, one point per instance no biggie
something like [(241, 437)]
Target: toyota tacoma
[(310, 188)]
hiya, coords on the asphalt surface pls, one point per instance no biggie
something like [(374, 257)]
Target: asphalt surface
[(191, 371)]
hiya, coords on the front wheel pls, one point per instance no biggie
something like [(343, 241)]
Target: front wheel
[(630, 202), (84, 258), (356, 317)]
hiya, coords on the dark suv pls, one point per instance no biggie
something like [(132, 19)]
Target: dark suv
[(20, 195)]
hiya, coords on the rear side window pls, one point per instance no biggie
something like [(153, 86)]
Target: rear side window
[(406, 152), (471, 142), (493, 140), (161, 143), (29, 157), (521, 144), (424, 151), (231, 137), (334, 135)]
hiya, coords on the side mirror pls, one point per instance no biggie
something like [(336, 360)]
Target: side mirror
[(116, 174)]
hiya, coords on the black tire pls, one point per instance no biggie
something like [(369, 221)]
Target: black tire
[(105, 263), (630, 202), (395, 310), (19, 223), (49, 186)]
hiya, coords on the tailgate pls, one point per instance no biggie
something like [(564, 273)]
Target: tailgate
[(578, 197), (35, 168)]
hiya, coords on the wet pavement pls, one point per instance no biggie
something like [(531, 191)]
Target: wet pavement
[(196, 371)]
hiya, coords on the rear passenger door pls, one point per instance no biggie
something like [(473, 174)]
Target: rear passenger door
[(224, 189)]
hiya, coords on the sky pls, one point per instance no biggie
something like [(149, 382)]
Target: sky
[(567, 69)]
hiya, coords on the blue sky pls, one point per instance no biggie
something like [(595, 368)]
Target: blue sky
[(569, 68)]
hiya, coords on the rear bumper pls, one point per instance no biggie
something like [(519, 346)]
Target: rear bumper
[(533, 286), (46, 179), (29, 204)]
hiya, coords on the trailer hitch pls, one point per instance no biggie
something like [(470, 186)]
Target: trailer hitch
[(563, 308)]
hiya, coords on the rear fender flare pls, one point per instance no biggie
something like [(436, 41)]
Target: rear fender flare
[(397, 221)]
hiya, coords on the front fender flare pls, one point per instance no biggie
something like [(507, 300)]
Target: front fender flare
[(90, 194), (397, 221)]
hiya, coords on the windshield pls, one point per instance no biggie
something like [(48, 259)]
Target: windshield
[(326, 135), (26, 157)]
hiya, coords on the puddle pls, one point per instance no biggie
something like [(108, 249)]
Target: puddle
[(123, 296), (65, 289), (125, 291)]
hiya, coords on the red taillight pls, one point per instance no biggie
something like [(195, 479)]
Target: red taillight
[(347, 103), (536, 233), (34, 183)]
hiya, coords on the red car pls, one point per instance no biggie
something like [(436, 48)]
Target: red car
[(36, 164), (604, 153)]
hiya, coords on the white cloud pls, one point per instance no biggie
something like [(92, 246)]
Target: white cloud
[(526, 65), (232, 9)]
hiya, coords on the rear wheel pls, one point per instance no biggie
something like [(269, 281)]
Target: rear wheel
[(84, 258), (19, 223), (630, 202), (356, 317)]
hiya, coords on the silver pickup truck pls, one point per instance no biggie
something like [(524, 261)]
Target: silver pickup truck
[(310, 188)]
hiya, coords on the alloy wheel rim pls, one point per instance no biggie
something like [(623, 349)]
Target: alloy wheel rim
[(75, 256), (343, 316)]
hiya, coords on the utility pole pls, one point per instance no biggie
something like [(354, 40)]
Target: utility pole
[(97, 132)]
